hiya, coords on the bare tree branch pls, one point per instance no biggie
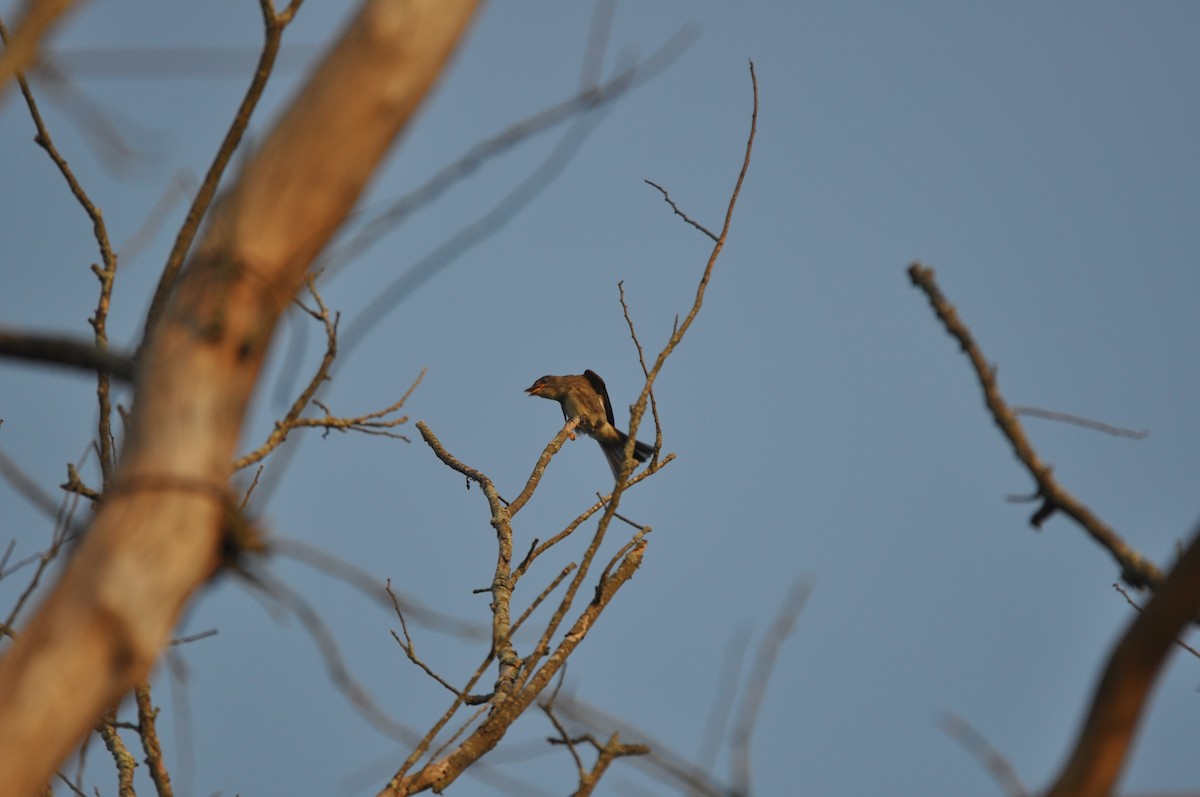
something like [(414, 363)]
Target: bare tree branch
[(374, 423), (62, 350), (639, 408), (1136, 570), (105, 272), (148, 731)]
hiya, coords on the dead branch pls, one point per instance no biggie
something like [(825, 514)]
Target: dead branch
[(105, 271), (1136, 570), (639, 408), (373, 423)]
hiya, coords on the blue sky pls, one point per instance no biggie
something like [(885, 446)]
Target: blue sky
[(1041, 157)]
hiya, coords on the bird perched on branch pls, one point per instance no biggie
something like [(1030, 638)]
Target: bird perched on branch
[(584, 396)]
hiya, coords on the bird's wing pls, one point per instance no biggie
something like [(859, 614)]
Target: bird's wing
[(598, 386)]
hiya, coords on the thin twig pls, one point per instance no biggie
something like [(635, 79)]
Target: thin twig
[(681, 327), (756, 683), (662, 762), (335, 666), (105, 273), (974, 742), (371, 423), (679, 212), (369, 586), (1129, 599), (589, 98), (645, 370), (566, 571), (190, 638), (273, 25), (409, 648), (1086, 423)]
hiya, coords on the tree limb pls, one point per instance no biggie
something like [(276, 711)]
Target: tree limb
[(62, 350), (1136, 570), (1103, 745)]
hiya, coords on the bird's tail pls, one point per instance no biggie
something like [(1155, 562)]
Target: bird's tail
[(615, 452)]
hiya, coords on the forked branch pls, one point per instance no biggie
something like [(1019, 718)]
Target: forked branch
[(1136, 570)]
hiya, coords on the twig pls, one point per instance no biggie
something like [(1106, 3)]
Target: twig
[(1129, 599), (679, 212), (74, 789), (724, 695), (64, 532), (539, 467), (327, 646), (372, 423), (368, 585), (566, 571), (274, 25), (681, 328), (974, 742), (645, 371), (473, 233), (148, 731), (564, 738), (502, 583), (756, 684), (190, 638), (1086, 423), (409, 649), (589, 98), (27, 487), (662, 762), (105, 273)]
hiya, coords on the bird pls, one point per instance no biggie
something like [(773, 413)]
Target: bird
[(585, 397)]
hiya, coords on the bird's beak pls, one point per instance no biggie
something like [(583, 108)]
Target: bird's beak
[(534, 389)]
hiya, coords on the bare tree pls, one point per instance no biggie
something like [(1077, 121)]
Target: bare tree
[(104, 624), (101, 627)]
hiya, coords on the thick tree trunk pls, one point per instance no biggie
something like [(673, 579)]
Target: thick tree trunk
[(158, 534)]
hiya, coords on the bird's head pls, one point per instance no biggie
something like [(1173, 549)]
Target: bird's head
[(546, 387)]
